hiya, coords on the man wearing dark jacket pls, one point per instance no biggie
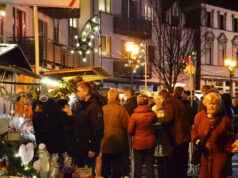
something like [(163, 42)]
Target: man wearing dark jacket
[(131, 102), (88, 129), (130, 105), (179, 132)]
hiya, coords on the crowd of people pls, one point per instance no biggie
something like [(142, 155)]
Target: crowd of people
[(105, 134)]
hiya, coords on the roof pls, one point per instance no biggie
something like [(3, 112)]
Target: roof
[(13, 59), (87, 73)]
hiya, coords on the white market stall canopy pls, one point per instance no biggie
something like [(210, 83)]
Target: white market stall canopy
[(45, 3), (13, 59)]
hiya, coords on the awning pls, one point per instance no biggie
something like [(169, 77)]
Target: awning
[(13, 59), (87, 73)]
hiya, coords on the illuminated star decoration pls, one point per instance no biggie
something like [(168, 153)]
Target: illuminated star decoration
[(84, 44)]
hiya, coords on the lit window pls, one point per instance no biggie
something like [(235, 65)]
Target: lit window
[(148, 12), (209, 55), (106, 46), (105, 6), (73, 22), (1, 29)]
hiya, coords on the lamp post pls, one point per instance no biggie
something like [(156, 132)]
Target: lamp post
[(230, 64), (133, 50)]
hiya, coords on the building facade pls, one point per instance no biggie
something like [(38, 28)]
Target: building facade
[(217, 37)]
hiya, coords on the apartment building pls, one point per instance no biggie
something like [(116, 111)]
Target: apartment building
[(55, 31), (120, 21), (217, 40)]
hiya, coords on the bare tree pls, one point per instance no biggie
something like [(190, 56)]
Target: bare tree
[(173, 40)]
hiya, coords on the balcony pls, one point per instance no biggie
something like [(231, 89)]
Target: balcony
[(134, 27), (52, 54)]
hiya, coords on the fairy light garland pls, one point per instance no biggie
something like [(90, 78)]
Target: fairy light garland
[(84, 45)]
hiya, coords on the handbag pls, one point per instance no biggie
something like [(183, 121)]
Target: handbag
[(197, 153)]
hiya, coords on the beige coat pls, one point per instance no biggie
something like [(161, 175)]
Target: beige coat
[(115, 128)]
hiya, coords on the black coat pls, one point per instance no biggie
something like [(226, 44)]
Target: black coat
[(49, 127), (88, 130), (130, 105)]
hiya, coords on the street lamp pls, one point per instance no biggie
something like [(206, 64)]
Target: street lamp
[(133, 50), (230, 64)]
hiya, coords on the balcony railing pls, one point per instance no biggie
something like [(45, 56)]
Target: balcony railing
[(135, 27), (50, 52)]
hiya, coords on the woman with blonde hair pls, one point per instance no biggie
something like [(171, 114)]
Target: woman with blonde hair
[(114, 141), (143, 142), (213, 163)]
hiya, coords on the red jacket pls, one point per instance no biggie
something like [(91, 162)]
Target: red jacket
[(141, 128)]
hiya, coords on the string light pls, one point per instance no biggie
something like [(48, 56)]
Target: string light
[(72, 51), (84, 59), (76, 37), (84, 44)]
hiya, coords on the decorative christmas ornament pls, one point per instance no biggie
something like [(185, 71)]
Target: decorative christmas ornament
[(26, 152), (54, 166), (84, 45), (44, 160)]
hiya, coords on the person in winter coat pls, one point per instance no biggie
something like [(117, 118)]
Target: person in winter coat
[(88, 130), (68, 121), (114, 141), (130, 105), (143, 142), (215, 156), (179, 133), (49, 125)]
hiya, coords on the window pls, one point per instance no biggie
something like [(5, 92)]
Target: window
[(105, 6), (1, 29), (148, 12), (208, 19), (222, 40), (235, 53), (209, 53), (73, 22), (43, 29), (221, 22), (19, 23), (235, 25), (106, 46), (56, 34), (221, 54)]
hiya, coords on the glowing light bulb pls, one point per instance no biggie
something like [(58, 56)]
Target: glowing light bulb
[(92, 36), (2, 13), (84, 59), (87, 26), (72, 51), (87, 52), (76, 36), (77, 44), (95, 50)]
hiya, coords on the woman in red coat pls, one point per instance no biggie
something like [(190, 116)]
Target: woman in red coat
[(214, 159), (143, 143)]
